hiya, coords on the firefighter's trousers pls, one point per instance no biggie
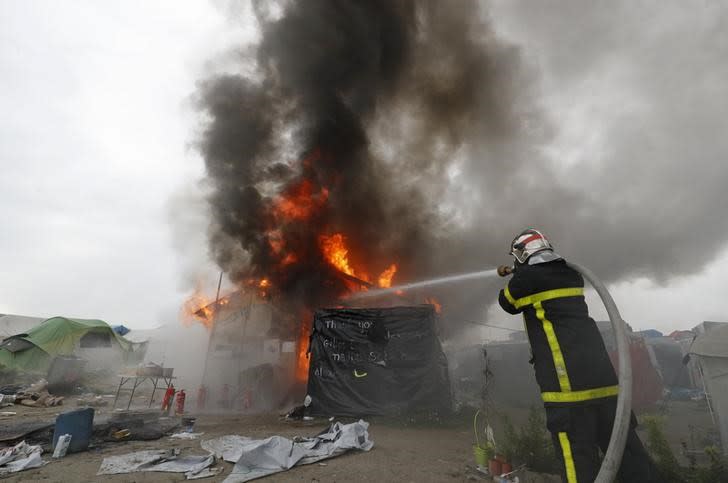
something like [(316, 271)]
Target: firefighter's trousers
[(580, 432)]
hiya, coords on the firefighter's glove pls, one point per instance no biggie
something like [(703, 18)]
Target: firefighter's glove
[(504, 270)]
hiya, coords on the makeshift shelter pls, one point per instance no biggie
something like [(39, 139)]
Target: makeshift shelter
[(667, 357), (500, 372), (34, 350), (709, 351), (377, 361), (11, 325)]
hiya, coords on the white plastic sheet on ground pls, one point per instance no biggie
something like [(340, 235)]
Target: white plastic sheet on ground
[(255, 458), (20, 457), (186, 435), (158, 460)]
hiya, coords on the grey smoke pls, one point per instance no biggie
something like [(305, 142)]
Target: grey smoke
[(443, 127)]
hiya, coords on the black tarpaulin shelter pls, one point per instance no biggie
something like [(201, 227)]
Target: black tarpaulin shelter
[(377, 361)]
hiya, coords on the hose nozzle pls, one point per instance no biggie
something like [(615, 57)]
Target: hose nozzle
[(505, 270)]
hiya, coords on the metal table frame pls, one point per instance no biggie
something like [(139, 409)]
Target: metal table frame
[(138, 381)]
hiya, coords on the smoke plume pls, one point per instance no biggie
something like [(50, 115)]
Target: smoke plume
[(423, 133)]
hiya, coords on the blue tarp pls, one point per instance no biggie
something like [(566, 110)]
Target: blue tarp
[(120, 329)]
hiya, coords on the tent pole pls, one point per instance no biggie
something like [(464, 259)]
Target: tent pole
[(705, 391), (212, 330), (219, 283)]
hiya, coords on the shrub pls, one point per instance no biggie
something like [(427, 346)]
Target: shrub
[(531, 444)]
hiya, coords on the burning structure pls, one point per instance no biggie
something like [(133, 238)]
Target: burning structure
[(325, 150)]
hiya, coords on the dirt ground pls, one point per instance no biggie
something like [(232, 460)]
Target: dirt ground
[(401, 453)]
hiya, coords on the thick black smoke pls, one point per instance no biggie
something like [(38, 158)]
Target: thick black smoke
[(427, 140), (361, 107)]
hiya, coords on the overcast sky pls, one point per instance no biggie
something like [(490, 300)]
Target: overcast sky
[(99, 206)]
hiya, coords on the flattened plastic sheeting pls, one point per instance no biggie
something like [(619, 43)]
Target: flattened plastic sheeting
[(157, 460), (20, 457), (385, 361), (262, 457)]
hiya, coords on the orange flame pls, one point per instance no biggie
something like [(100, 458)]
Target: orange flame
[(385, 279), (299, 202), (198, 308), (336, 253), (302, 360), (433, 301)]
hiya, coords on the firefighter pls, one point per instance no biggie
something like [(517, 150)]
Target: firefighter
[(577, 381)]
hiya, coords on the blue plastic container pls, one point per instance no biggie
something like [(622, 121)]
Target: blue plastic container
[(79, 424)]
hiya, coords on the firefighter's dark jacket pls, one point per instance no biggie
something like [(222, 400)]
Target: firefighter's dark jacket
[(572, 365)]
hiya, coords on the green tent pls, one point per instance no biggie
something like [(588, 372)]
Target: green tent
[(34, 350)]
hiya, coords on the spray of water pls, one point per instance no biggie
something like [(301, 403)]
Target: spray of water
[(426, 283)]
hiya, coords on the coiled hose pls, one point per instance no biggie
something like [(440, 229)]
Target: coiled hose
[(620, 429)]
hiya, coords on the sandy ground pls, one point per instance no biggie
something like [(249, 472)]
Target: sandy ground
[(400, 453)]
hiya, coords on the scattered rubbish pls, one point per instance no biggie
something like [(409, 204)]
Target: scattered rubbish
[(120, 416), (255, 458), (188, 424), (186, 435), (296, 413), (323, 464), (7, 400), (141, 425), (92, 400), (158, 460), (121, 434), (10, 389), (62, 444), (7, 414), (22, 429), (37, 395), (78, 424), (20, 457)]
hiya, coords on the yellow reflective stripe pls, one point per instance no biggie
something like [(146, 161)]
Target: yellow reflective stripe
[(559, 363), (543, 296), (577, 396), (509, 297), (568, 458)]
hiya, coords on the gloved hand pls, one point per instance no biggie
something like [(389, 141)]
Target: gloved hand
[(504, 270)]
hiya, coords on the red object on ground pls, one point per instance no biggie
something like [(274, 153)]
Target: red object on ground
[(180, 406), (201, 397), (494, 467), (506, 468), (168, 397)]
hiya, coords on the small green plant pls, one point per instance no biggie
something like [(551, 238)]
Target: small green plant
[(717, 470), (665, 460), (531, 444), (667, 464)]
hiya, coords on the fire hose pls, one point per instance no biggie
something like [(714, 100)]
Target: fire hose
[(620, 428)]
